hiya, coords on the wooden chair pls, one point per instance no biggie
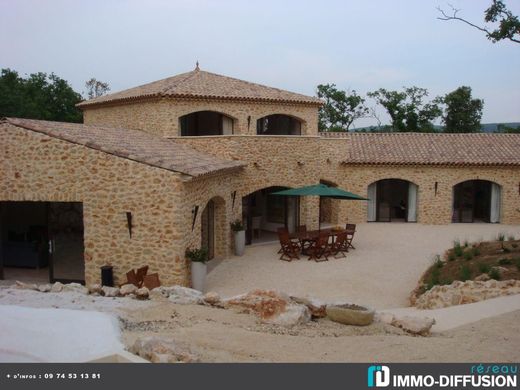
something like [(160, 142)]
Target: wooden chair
[(340, 245), (289, 249), (320, 248), (351, 230)]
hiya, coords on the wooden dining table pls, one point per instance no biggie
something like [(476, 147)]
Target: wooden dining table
[(307, 237)]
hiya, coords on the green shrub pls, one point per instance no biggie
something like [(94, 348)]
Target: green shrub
[(494, 274), (197, 255), (465, 273), (468, 255), (501, 237), (466, 243), (237, 225), (517, 262), (505, 262), (476, 251), (484, 268), (437, 262), (446, 281), (511, 238), (451, 256), (457, 249), (434, 278)]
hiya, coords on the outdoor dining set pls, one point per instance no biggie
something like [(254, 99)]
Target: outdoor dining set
[(318, 245)]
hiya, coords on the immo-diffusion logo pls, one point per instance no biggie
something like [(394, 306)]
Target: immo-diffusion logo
[(378, 376)]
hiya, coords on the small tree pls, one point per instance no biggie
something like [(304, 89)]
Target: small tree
[(462, 113), (96, 88), (341, 108)]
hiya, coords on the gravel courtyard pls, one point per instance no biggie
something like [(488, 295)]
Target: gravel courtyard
[(381, 272)]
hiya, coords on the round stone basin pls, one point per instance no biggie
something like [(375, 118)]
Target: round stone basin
[(350, 314)]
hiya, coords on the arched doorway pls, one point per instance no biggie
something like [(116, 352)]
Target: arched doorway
[(263, 213), (205, 123), (278, 124), (392, 200), (476, 201), (212, 228)]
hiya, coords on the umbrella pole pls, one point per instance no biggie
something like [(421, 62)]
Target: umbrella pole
[(319, 215)]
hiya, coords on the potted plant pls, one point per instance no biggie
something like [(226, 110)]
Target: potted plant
[(240, 237), (199, 268)]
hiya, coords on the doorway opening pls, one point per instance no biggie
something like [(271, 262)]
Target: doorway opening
[(263, 213), (42, 242), (476, 201), (212, 228), (392, 200)]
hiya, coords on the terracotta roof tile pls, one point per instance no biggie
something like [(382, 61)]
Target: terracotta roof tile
[(430, 148), (133, 145), (202, 85)]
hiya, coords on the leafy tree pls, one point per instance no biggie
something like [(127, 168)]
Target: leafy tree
[(341, 108), (96, 88), (407, 110), (462, 113), (508, 24), (39, 96)]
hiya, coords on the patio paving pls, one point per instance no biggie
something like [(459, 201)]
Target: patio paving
[(381, 272)]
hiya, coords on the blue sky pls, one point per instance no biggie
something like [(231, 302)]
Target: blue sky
[(294, 45)]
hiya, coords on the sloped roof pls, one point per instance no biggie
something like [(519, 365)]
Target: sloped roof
[(201, 84), (430, 148), (134, 145)]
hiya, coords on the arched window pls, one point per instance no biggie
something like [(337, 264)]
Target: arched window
[(476, 201), (206, 123), (278, 124)]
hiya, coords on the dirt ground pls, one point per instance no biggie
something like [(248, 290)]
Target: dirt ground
[(218, 335), (221, 335)]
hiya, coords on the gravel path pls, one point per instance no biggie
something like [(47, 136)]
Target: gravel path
[(385, 267)]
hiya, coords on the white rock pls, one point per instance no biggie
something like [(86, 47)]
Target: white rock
[(386, 318), (26, 286), (110, 291), (95, 289), (185, 296), (45, 287), (75, 287), (57, 287), (161, 350), (128, 289), (211, 298), (293, 315), (142, 293), (415, 325)]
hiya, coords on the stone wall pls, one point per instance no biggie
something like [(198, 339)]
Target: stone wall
[(36, 167), (161, 116), (433, 207)]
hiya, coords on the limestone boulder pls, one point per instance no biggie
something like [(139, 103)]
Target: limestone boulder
[(110, 291), (270, 307), (385, 318), (142, 293), (95, 289), (75, 287), (212, 298), (25, 286), (162, 350), (45, 287), (316, 307), (415, 325), (57, 287), (184, 296), (128, 289)]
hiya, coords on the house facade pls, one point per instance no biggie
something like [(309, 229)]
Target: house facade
[(169, 165)]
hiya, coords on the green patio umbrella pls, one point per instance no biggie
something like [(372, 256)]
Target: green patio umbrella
[(320, 190)]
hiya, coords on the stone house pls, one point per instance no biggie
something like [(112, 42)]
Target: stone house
[(168, 165)]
